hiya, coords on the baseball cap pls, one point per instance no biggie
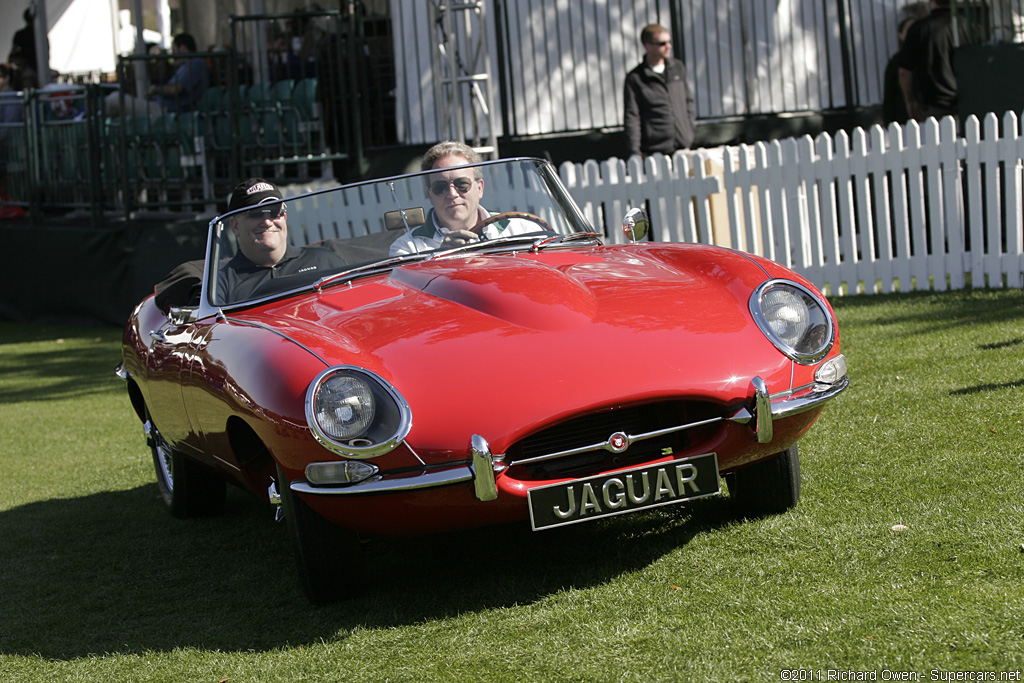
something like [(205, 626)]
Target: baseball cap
[(252, 192)]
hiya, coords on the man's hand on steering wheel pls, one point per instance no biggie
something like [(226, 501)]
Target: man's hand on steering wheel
[(456, 238)]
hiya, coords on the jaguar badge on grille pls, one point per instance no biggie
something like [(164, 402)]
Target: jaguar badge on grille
[(618, 442)]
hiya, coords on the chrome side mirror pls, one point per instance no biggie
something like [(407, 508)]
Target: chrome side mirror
[(636, 225), (182, 315)]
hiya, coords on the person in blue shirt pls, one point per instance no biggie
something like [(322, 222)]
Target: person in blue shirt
[(179, 94)]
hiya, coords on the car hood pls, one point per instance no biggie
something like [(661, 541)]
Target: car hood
[(469, 338)]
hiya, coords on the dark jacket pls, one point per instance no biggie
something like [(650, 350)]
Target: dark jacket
[(927, 52), (894, 105), (660, 112)]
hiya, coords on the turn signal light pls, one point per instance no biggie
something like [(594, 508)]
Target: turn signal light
[(340, 472)]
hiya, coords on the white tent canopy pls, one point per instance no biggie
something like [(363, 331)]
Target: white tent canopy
[(85, 36)]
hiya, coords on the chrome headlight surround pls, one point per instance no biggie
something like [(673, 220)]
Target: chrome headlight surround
[(794, 319), (355, 413)]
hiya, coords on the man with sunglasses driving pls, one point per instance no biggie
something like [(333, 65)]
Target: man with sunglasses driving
[(264, 253), (455, 197), (659, 109)]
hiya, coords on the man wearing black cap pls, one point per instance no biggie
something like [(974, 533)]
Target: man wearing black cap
[(264, 253)]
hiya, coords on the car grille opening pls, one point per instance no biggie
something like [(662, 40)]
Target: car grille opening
[(596, 428)]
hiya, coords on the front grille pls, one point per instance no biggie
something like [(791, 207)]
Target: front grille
[(595, 428), (589, 429)]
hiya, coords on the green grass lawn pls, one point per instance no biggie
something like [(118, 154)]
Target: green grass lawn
[(906, 553)]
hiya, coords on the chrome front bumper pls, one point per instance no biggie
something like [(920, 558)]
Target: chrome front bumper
[(483, 466)]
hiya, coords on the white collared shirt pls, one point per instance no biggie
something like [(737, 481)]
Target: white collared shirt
[(429, 236)]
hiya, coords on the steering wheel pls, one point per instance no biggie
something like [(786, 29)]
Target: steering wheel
[(512, 214)]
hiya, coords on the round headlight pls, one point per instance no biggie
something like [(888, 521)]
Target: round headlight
[(355, 413), (794, 319), (344, 407)]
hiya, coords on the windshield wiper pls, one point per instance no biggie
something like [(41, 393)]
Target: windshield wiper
[(495, 242), (367, 269), (562, 239)]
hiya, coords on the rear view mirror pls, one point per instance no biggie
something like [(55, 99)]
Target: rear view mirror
[(413, 219)]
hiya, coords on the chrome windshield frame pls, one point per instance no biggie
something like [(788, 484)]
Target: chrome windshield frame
[(559, 198)]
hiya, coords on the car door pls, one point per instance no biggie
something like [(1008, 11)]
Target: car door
[(168, 371)]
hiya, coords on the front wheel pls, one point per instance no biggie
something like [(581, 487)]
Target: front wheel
[(768, 487), (329, 558), (187, 489)]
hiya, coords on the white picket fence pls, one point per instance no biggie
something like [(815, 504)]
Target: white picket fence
[(912, 207)]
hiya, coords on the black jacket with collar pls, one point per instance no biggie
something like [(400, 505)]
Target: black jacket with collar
[(660, 113)]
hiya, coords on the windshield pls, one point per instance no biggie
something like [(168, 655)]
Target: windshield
[(355, 229)]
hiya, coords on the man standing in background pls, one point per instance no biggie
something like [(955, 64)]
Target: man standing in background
[(23, 52), (660, 114), (926, 64)]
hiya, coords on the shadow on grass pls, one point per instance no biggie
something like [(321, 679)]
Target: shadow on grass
[(939, 310), (1001, 345), (58, 362), (25, 333), (984, 388), (114, 573)]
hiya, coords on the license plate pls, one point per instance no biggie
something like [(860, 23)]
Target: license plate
[(604, 495)]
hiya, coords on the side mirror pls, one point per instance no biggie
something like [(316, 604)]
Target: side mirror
[(636, 225), (183, 315)]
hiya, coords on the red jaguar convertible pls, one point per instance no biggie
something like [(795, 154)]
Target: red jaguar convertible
[(384, 379)]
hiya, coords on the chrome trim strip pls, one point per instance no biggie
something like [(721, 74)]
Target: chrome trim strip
[(221, 318), (764, 410), (395, 483), (630, 440), (416, 455)]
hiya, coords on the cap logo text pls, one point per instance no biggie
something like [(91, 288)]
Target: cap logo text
[(260, 187)]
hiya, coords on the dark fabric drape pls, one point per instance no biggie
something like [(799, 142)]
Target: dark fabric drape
[(83, 276)]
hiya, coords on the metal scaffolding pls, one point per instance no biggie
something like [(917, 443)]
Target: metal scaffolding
[(462, 82)]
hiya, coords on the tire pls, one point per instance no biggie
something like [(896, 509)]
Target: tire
[(330, 559), (768, 487), (187, 489)]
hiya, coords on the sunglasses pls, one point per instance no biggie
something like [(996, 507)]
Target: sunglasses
[(440, 187), (663, 43), (272, 213)]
